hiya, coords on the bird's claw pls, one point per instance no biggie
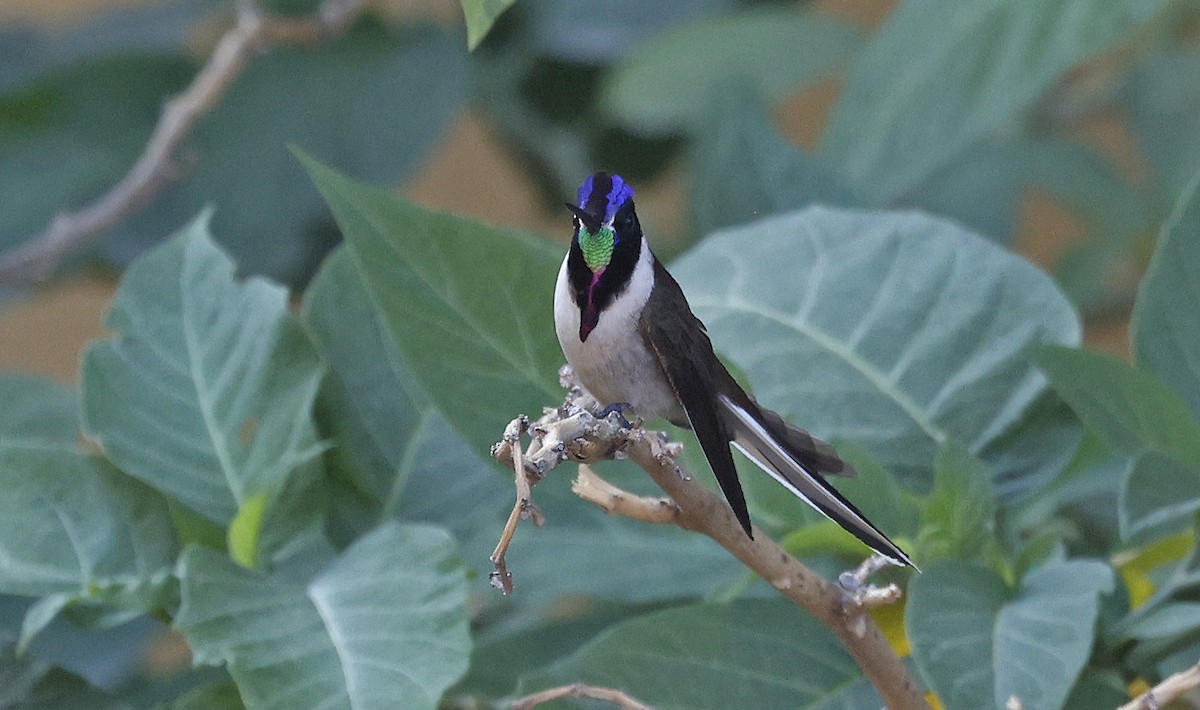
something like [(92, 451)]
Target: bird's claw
[(618, 408)]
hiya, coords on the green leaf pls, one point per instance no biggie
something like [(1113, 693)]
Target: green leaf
[(917, 98), (898, 331), (370, 404), (480, 16), (214, 696), (977, 642), (1166, 332), (981, 188), (767, 650), (74, 528), (384, 625), (387, 431), (1098, 689), (500, 658), (1161, 95), (394, 93), (468, 306), (1165, 621), (1129, 407), (1033, 453), (1136, 415), (245, 530), (743, 169), (27, 683), (619, 561), (36, 412), (667, 83), (207, 394), (1156, 489), (30, 51), (826, 537), (394, 455), (960, 516), (1086, 489), (550, 30)]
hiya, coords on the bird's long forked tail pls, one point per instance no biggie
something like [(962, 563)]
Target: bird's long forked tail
[(757, 443)]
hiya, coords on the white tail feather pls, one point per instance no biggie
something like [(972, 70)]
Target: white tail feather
[(753, 440)]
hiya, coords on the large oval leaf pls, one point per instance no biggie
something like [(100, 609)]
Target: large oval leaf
[(467, 305), (743, 169), (978, 642), (916, 99), (207, 394), (897, 330), (394, 453), (668, 82), (72, 526), (36, 411), (1166, 332), (1161, 98), (384, 625), (719, 656)]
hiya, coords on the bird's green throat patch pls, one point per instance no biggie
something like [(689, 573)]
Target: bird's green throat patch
[(597, 247)]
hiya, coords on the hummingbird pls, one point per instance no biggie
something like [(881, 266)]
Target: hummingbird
[(627, 330)]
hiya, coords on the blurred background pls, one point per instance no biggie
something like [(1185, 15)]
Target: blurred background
[(719, 112), (1077, 178)]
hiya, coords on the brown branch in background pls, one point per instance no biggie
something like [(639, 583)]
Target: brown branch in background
[(1172, 687), (253, 34), (579, 690), (572, 433)]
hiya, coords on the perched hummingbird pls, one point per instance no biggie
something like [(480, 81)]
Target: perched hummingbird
[(628, 332)]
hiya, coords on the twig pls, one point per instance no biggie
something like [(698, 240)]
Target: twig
[(1171, 687), (858, 597), (253, 34), (580, 690), (572, 433), (500, 578), (614, 501)]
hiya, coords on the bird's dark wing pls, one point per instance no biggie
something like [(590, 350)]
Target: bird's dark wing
[(686, 356)]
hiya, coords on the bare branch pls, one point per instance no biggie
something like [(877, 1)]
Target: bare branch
[(579, 690), (523, 508), (572, 433), (1163, 693), (859, 598), (614, 501), (253, 34)]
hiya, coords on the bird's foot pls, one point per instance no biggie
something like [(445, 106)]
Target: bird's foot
[(618, 408)]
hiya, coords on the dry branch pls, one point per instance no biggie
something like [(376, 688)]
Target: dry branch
[(579, 690), (254, 33), (615, 501), (572, 433), (1171, 688)]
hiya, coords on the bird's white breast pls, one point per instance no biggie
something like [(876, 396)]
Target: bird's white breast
[(615, 364)]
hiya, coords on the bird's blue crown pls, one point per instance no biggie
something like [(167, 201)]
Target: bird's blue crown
[(602, 194)]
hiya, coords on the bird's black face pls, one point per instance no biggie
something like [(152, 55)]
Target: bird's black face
[(605, 247)]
